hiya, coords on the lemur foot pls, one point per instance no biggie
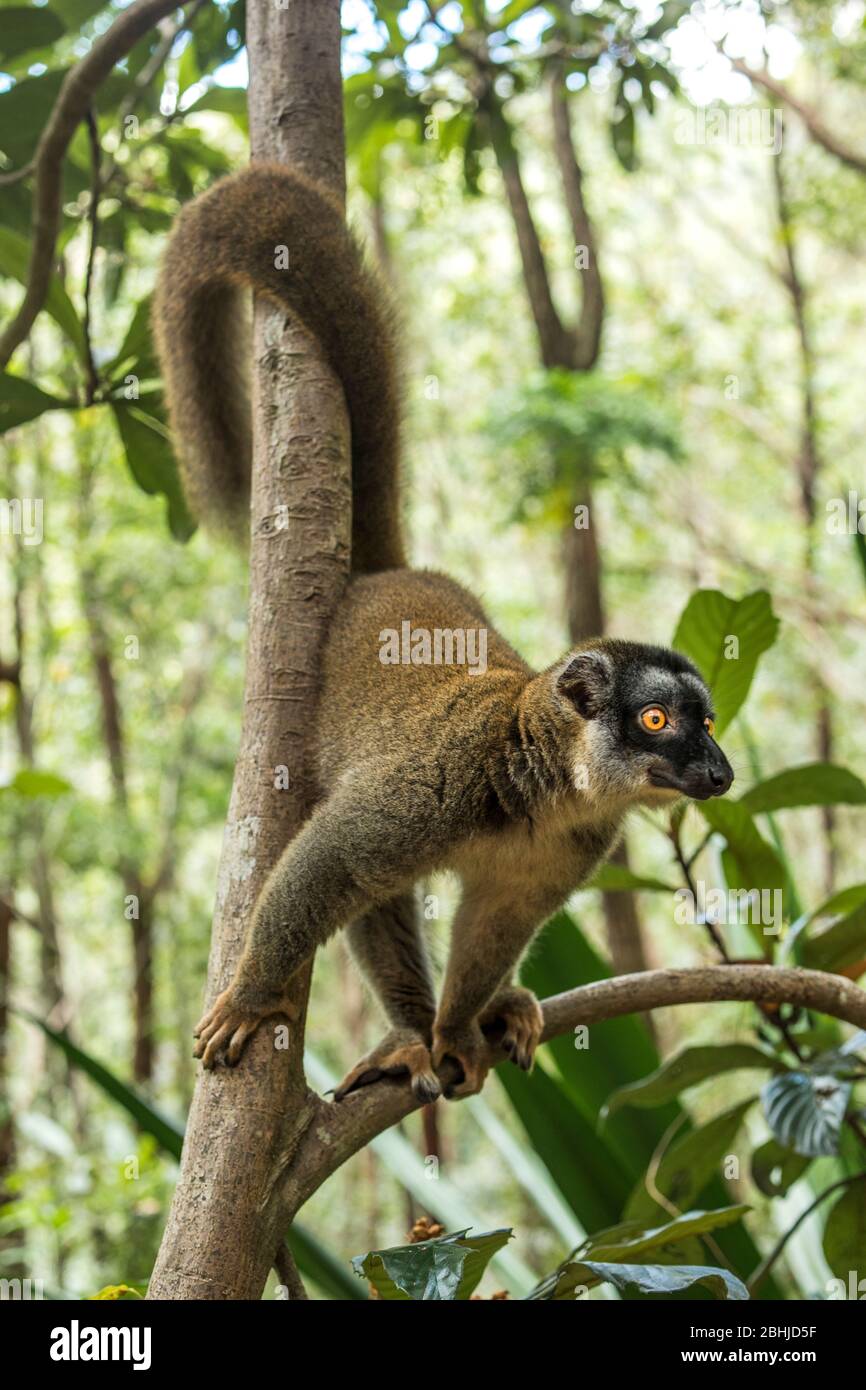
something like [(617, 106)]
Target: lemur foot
[(401, 1050), (227, 1026), (519, 1010), (468, 1047)]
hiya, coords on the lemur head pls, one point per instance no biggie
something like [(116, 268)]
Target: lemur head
[(648, 731)]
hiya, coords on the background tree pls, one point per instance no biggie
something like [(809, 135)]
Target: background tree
[(694, 487)]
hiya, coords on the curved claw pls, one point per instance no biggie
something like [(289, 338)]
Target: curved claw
[(396, 1055), (225, 1028)]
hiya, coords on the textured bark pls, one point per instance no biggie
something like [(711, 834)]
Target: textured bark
[(227, 1221)]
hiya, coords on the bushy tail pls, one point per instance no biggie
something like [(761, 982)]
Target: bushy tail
[(225, 241)]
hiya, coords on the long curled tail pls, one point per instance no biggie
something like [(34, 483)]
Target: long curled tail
[(230, 239)]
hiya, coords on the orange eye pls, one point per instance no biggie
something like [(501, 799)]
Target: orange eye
[(653, 719), (710, 726)]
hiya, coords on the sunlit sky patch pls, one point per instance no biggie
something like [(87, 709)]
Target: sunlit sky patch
[(705, 73)]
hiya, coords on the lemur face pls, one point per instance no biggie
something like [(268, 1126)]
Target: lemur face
[(650, 722)]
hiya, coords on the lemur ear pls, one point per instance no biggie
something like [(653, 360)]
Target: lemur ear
[(586, 681)]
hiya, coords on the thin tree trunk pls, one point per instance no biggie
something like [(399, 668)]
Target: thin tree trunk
[(226, 1220), (808, 468)]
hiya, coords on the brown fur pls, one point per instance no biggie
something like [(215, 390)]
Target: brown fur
[(225, 242), (419, 767)]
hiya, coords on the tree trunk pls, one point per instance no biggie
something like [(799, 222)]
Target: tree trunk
[(226, 1219)]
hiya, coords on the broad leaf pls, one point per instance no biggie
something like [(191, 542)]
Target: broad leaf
[(725, 638), (151, 462), (845, 1232), (838, 948), (775, 1168), (447, 1268), (805, 1111), (15, 262), (651, 1279), (752, 864), (686, 1069), (26, 28), (21, 401), (611, 1245), (691, 1161), (814, 784)]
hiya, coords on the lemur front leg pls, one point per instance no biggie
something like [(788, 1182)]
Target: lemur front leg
[(486, 944), (389, 948), (337, 867)]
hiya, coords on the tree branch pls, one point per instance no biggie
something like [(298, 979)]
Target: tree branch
[(74, 99), (555, 340), (337, 1131), (587, 335), (810, 118)]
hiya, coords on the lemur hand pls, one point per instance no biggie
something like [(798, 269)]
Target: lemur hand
[(232, 1019)]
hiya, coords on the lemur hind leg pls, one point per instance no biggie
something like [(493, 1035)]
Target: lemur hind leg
[(518, 1010), (389, 948)]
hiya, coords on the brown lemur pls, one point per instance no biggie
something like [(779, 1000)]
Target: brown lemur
[(517, 782)]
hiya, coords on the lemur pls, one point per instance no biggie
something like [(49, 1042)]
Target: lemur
[(516, 781)]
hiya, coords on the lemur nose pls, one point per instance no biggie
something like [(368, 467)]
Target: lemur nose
[(720, 778)]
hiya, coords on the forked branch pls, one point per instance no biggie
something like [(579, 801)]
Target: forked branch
[(337, 1131)]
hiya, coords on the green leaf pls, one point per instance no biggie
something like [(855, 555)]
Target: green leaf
[(30, 782), (559, 1103), (840, 947), (14, 262), (725, 638), (447, 1268), (613, 878), (845, 1232), (611, 1246), (775, 1168), (167, 1134), (813, 784), (76, 13), (151, 462), (686, 1069), (752, 864), (651, 1279), (805, 1111), (25, 28), (21, 401), (691, 1161)]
